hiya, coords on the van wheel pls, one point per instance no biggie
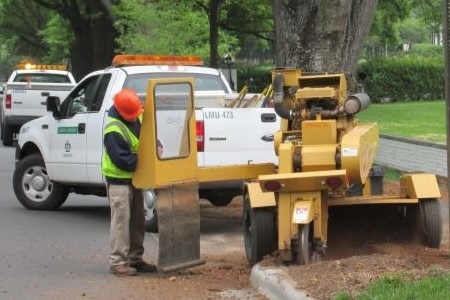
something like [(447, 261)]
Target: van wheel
[(33, 188), (7, 135)]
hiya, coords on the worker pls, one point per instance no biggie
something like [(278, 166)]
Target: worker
[(119, 161)]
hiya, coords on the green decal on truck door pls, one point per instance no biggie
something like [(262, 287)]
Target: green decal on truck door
[(67, 130)]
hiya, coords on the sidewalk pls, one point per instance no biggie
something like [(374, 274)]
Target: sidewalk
[(275, 283)]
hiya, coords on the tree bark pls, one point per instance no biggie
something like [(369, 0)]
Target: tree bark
[(213, 17), (321, 35), (212, 10)]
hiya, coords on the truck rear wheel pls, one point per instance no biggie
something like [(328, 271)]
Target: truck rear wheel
[(33, 188), (7, 134), (431, 222), (259, 231)]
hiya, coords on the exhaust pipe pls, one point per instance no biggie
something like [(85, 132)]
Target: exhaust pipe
[(278, 96), (356, 103)]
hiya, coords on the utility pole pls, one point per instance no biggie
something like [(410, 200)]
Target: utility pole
[(446, 4)]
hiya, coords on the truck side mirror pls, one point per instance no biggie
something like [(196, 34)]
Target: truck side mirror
[(53, 104)]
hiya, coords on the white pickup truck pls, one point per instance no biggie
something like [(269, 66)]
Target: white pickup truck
[(26, 93), (61, 152)]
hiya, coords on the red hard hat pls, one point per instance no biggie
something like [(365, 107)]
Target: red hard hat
[(127, 104)]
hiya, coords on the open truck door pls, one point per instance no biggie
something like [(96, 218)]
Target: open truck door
[(174, 173)]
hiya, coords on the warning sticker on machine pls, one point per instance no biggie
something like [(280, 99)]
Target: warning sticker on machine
[(349, 152), (300, 214)]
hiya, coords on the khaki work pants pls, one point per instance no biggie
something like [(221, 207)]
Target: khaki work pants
[(127, 224)]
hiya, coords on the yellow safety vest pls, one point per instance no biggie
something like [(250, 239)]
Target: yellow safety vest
[(108, 167)]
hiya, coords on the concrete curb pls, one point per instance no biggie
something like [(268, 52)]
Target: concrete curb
[(275, 283)]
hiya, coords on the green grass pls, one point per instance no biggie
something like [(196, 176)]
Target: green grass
[(424, 120), (401, 287)]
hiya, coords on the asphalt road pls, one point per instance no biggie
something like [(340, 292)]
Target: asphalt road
[(63, 254)]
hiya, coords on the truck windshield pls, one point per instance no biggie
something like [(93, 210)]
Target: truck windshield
[(42, 77)]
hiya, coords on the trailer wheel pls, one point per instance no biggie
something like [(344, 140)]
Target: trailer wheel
[(259, 231), (431, 222), (304, 245), (33, 188)]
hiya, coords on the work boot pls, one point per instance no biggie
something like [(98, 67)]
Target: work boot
[(143, 267), (123, 270)]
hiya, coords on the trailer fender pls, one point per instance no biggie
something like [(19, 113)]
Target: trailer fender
[(257, 197), (421, 186)]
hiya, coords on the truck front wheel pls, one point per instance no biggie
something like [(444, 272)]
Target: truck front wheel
[(33, 188), (151, 218)]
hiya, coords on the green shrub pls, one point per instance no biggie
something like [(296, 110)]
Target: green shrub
[(260, 77), (404, 78)]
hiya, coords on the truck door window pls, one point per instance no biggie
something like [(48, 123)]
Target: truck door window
[(87, 96)]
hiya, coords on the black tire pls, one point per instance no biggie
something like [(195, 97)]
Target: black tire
[(431, 222), (1, 130), (151, 225), (259, 231), (33, 188), (7, 134), (303, 245)]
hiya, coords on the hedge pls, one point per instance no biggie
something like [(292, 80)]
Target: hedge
[(258, 77), (404, 79)]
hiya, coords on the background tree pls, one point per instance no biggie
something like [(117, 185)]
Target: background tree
[(412, 31), (21, 23), (430, 13), (144, 28), (232, 18), (92, 24), (384, 36), (251, 22)]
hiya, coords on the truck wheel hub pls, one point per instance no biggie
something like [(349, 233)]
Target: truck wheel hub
[(38, 183)]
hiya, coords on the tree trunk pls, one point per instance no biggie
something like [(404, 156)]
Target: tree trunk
[(321, 36), (213, 17), (94, 45)]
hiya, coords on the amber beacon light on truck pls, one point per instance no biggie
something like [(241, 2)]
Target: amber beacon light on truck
[(30, 66), (126, 59)]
